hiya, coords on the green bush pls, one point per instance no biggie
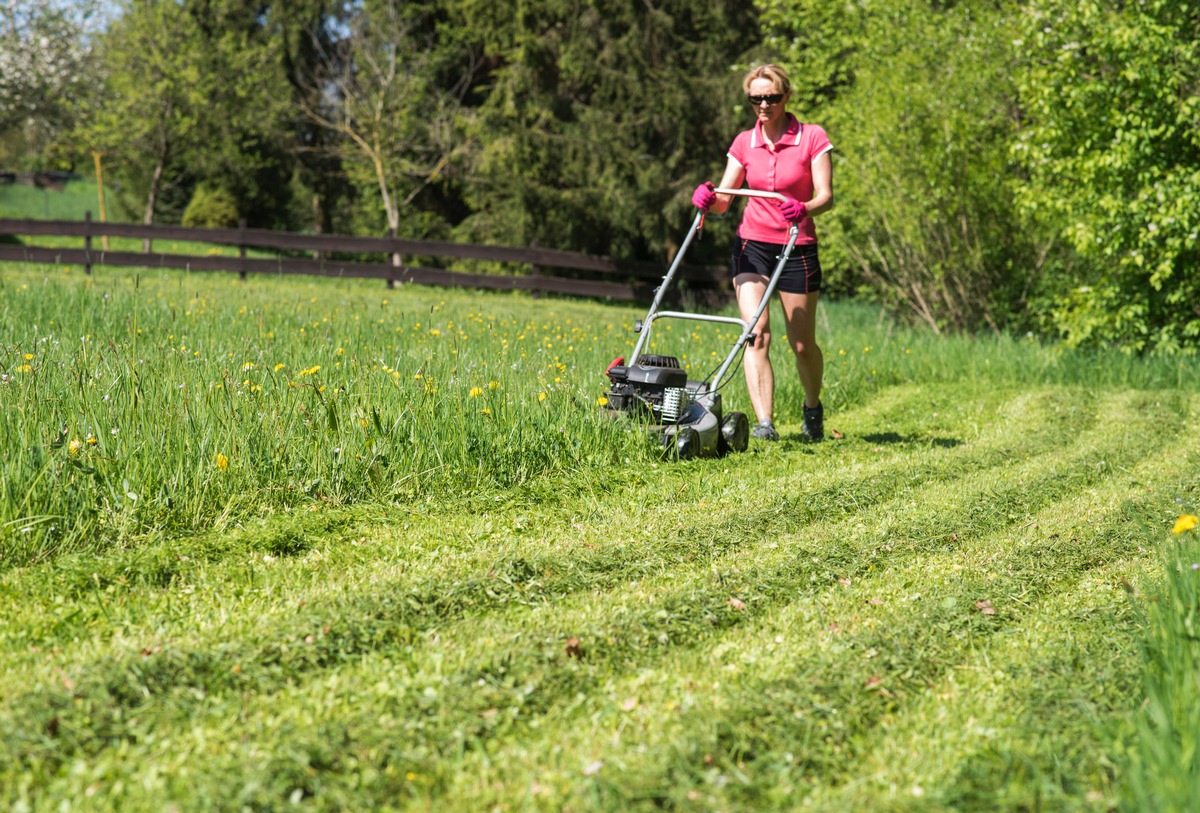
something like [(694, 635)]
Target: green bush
[(211, 208), (1109, 150), (916, 99)]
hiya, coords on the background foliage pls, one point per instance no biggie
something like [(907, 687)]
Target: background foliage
[(1001, 165), (1112, 151)]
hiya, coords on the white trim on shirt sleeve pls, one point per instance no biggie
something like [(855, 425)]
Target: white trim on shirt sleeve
[(736, 161)]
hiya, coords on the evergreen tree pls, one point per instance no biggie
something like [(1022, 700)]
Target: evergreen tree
[(597, 119)]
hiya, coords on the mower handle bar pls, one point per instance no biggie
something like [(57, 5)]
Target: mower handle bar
[(751, 193), (747, 325)]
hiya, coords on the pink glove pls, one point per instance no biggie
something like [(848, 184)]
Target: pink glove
[(793, 211), (704, 196)]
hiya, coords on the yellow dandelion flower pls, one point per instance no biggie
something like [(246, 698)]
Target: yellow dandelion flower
[(541, 397), (475, 392), (249, 365), (1185, 523), (91, 440), (311, 370), (29, 356), (74, 446), (222, 462), (602, 401), (493, 385), (486, 411), (25, 368), (435, 332), (279, 367)]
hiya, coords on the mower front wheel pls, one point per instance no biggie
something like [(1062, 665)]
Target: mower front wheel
[(685, 444), (735, 433)]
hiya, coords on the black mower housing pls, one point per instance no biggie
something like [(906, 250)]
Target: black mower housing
[(688, 416)]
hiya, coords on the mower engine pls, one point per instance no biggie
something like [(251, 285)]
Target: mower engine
[(656, 385), (686, 413)]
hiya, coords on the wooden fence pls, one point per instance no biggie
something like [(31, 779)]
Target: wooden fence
[(587, 275)]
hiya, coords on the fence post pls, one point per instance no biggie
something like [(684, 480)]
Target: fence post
[(241, 248), (87, 240), (535, 272), (392, 258)]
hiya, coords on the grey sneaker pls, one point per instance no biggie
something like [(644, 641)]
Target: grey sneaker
[(765, 431), (814, 422)]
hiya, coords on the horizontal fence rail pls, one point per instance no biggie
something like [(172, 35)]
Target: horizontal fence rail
[(623, 280)]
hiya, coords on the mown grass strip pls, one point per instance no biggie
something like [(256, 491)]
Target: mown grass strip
[(638, 631)]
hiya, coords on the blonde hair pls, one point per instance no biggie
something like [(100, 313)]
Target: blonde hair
[(776, 74)]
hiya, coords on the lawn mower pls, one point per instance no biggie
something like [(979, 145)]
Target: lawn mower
[(688, 415)]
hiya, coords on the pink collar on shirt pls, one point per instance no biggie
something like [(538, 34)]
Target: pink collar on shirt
[(790, 133)]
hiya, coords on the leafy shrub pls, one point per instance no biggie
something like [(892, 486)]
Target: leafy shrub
[(211, 209), (917, 102), (1110, 148)]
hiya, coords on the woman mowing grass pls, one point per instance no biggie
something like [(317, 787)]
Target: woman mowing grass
[(779, 154)]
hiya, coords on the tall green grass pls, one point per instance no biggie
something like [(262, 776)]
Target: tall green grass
[(158, 403), (161, 403), (1164, 767)]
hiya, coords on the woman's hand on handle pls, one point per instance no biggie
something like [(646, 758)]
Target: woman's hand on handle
[(704, 196), (793, 211)]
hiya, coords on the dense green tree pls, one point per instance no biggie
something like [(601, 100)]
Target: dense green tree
[(395, 123), (918, 99), (1110, 142), (150, 117), (307, 32), (596, 119), (192, 92)]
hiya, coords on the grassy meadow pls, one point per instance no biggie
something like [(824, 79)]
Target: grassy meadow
[(319, 545)]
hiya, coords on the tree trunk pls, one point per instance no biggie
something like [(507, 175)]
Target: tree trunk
[(391, 210), (152, 198), (318, 220)]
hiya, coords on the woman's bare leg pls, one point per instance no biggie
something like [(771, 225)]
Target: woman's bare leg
[(760, 378), (800, 312)]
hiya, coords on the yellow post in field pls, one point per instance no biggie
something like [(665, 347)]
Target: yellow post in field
[(100, 193)]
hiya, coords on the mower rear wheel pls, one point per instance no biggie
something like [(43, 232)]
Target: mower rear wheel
[(735, 433)]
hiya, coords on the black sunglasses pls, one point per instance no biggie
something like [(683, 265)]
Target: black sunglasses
[(770, 98)]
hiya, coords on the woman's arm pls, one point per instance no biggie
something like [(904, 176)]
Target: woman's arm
[(822, 175), (732, 179)]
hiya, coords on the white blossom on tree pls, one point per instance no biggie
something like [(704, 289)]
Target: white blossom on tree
[(45, 52)]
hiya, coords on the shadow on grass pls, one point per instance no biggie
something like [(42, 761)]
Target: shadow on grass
[(879, 438)]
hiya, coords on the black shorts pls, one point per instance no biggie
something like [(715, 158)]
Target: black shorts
[(801, 275)]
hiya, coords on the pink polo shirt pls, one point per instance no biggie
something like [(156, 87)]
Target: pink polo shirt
[(787, 168)]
